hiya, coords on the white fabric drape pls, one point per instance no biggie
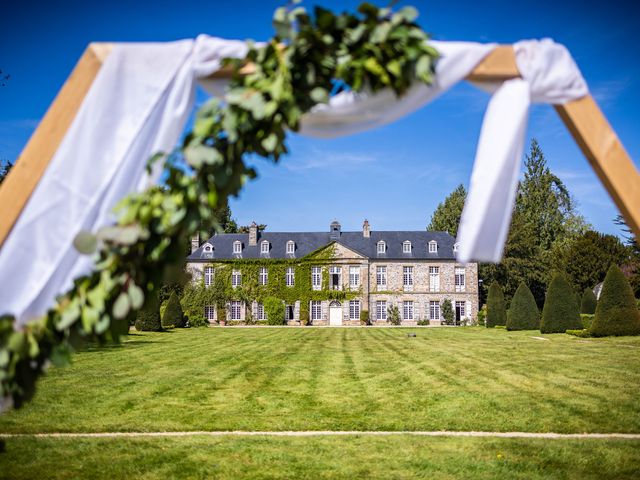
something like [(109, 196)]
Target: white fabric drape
[(140, 101)]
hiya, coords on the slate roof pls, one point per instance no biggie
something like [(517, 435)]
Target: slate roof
[(308, 242)]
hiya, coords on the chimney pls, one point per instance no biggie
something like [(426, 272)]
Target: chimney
[(366, 230), (253, 234), (334, 230), (195, 242)]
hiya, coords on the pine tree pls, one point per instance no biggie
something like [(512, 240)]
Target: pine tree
[(447, 312), (523, 312), (496, 312), (588, 302), (173, 315), (560, 312), (446, 216), (616, 313)]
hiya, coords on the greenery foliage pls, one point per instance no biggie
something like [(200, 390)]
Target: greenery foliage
[(523, 312), (496, 310), (148, 320), (364, 317), (482, 315), (560, 312), (173, 315), (393, 315), (447, 312), (616, 313), (586, 319), (588, 302), (446, 217), (274, 309)]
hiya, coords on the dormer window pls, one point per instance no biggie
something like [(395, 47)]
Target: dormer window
[(207, 250), (433, 246), (237, 247), (291, 247), (264, 247), (382, 246), (456, 246), (406, 246)]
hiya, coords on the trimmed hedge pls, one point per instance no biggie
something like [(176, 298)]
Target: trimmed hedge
[(274, 308), (523, 313), (584, 333), (364, 317), (589, 301), (496, 311), (616, 313), (148, 321), (587, 319), (560, 312), (173, 315)]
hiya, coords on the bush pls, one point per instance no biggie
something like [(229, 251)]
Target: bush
[(482, 315), (584, 333), (589, 301), (616, 313), (587, 320), (274, 308), (304, 316), (496, 312), (560, 312), (447, 312), (148, 321), (500, 327), (393, 315), (423, 322), (523, 313), (173, 316), (364, 317), (163, 307)]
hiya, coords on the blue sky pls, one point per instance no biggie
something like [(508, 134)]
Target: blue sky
[(395, 175)]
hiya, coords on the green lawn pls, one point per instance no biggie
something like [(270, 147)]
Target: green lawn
[(338, 379)]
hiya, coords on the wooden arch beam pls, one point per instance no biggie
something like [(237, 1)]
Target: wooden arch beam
[(583, 118)]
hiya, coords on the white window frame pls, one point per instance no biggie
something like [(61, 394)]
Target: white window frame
[(236, 278), (433, 246), (354, 277), (381, 277), (290, 277), (381, 247), (406, 246), (291, 247), (210, 313), (434, 310), (235, 310), (434, 279), (286, 311), (209, 273), (316, 278), (460, 279), (316, 310), (456, 246), (237, 247), (381, 310), (335, 270), (407, 310), (354, 309), (462, 305), (260, 313), (407, 277), (263, 276), (264, 246)]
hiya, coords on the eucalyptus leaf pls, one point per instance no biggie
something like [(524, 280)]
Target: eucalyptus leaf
[(85, 242), (270, 142), (121, 306), (136, 295)]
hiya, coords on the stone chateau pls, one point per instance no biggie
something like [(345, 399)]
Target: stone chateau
[(414, 271)]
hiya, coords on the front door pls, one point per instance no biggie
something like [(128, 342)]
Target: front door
[(335, 313)]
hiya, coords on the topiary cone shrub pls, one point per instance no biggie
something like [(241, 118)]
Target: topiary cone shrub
[(274, 308), (148, 321), (496, 311), (173, 315), (616, 313), (523, 313), (560, 312), (589, 302)]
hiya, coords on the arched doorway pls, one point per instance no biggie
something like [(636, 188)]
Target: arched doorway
[(335, 313)]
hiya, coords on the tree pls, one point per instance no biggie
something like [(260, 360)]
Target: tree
[(616, 313), (245, 228), (633, 265), (523, 312), (393, 315), (560, 312), (148, 320), (447, 312), (589, 302), (173, 315), (446, 217), (5, 167), (496, 312), (274, 308)]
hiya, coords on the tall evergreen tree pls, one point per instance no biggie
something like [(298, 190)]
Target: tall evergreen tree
[(496, 312), (560, 312), (523, 312), (616, 313), (589, 302), (446, 216)]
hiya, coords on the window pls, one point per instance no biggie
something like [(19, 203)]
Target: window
[(460, 311), (456, 246), (264, 247), (434, 279), (407, 310), (290, 277), (354, 309), (237, 247), (407, 278), (335, 278), (316, 278), (236, 278), (381, 246), (406, 247), (260, 311), (381, 277), (235, 310), (210, 313), (289, 312), (316, 310), (291, 247), (208, 276), (263, 276), (207, 250), (459, 279), (433, 246), (354, 277), (434, 310), (381, 310)]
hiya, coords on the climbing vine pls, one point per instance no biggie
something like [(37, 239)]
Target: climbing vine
[(311, 56)]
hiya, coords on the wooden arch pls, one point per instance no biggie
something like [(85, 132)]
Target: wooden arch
[(584, 119)]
